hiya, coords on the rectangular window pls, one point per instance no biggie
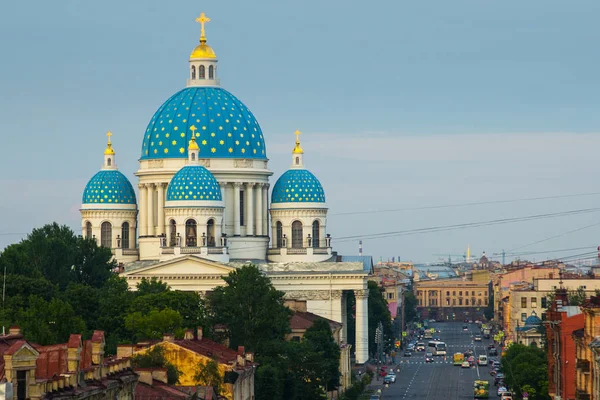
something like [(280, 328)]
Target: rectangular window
[(523, 302), (454, 293), (534, 302), (453, 302), (523, 317), (485, 301), (448, 293), (242, 208), (447, 302), (460, 293), (544, 302), (479, 294), (460, 302), (473, 293), (485, 293), (390, 296)]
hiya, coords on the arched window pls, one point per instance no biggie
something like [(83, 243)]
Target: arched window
[(210, 233), (191, 233), (125, 235), (211, 72), (297, 160), (297, 235), (108, 161), (172, 233), (106, 234), (201, 72), (88, 230), (193, 156), (315, 233), (279, 240), (193, 72)]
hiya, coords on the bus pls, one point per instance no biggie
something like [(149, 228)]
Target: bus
[(458, 359), (437, 348)]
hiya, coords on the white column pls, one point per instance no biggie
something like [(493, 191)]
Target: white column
[(236, 209), (344, 332), (161, 209), (150, 210), (362, 325), (223, 186), (265, 205), (143, 207), (259, 209), (249, 209)]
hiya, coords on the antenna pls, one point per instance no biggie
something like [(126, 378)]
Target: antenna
[(360, 249), (3, 298)]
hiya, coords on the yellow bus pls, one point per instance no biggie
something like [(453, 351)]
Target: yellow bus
[(458, 358)]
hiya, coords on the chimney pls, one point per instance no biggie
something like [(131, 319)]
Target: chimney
[(14, 330), (168, 337), (241, 350), (241, 361), (145, 375), (189, 334), (199, 332)]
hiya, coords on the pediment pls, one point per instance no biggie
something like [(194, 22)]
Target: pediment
[(189, 265), (25, 352)]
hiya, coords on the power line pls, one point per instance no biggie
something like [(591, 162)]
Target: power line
[(553, 237)]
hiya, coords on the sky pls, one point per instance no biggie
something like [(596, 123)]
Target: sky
[(485, 108)]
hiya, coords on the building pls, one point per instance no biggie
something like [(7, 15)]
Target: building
[(302, 320), (203, 206), (190, 353), (561, 321), (586, 344), (451, 299), (73, 370)]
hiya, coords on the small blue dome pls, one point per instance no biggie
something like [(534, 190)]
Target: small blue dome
[(225, 127), (193, 182), (532, 320), (298, 185), (108, 187)]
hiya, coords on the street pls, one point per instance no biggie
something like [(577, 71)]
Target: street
[(441, 379)]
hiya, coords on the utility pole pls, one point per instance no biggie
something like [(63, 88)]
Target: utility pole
[(503, 255)]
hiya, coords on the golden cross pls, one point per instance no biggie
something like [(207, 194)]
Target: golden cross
[(297, 133), (202, 19), (109, 134), (193, 129)]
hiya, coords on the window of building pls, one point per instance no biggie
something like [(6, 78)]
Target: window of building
[(479, 294), (447, 293), (125, 235), (106, 234), (210, 233), (447, 302), (523, 302), (460, 293), (473, 293), (21, 385), (390, 296), (478, 302), (297, 235), (279, 228), (485, 293), (454, 293), (201, 72), (295, 338), (460, 302), (544, 302), (543, 316), (193, 72), (242, 208), (191, 233), (485, 301), (534, 302), (453, 302), (523, 317), (316, 236), (88, 230), (211, 72)]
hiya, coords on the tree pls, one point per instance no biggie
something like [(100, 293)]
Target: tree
[(151, 286), (155, 358), (526, 369), (577, 297), (379, 312), (154, 324), (252, 309), (410, 306), (207, 374), (323, 353)]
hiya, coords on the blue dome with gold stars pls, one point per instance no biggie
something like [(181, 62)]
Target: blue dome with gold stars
[(193, 182), (108, 187), (298, 185), (224, 126)]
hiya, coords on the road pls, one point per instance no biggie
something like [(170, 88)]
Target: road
[(441, 379)]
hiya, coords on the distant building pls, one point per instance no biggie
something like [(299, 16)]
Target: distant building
[(73, 370), (451, 299), (586, 351)]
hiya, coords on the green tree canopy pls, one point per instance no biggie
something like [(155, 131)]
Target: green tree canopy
[(526, 366), (410, 306), (252, 309), (379, 312), (323, 354), (155, 358), (154, 324)]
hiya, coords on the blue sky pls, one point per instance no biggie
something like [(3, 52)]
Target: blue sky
[(402, 104)]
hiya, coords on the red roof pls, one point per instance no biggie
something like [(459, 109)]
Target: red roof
[(303, 320), (207, 347), (52, 361), (158, 391)]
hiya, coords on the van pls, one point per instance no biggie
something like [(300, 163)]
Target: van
[(420, 346), (482, 360)]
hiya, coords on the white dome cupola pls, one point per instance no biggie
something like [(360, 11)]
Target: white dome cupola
[(203, 60)]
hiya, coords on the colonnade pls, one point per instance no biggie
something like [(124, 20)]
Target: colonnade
[(245, 213)]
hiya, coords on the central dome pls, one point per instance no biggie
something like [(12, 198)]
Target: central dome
[(225, 127)]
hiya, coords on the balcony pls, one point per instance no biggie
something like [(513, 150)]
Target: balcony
[(582, 395), (194, 250), (583, 366)]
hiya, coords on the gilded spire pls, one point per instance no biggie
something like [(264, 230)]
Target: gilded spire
[(298, 149), (202, 19), (109, 150), (193, 145)]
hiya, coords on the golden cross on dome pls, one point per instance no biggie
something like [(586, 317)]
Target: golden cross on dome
[(109, 134), (193, 129), (202, 19), (297, 133)]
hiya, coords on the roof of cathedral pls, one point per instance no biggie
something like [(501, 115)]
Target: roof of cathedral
[(193, 182), (225, 126), (108, 187), (298, 186)]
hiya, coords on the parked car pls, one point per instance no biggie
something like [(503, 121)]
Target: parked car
[(465, 364), (493, 352), (491, 346), (499, 379), (502, 389), (390, 378)]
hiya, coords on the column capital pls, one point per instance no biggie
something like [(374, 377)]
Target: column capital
[(161, 185), (260, 185), (250, 185), (237, 184), (336, 294), (149, 185), (223, 184), (141, 185), (361, 294)]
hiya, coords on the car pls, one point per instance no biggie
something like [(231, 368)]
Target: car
[(496, 364), (465, 328), (506, 396), (465, 364), (420, 346), (493, 352), (432, 320), (502, 389), (470, 321), (491, 346), (477, 321), (428, 359), (477, 338), (374, 397), (491, 361), (437, 338), (389, 378), (407, 353)]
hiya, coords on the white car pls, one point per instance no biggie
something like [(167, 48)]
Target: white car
[(502, 390), (465, 364), (392, 376)]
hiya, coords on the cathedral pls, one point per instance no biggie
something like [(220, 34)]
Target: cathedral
[(203, 205)]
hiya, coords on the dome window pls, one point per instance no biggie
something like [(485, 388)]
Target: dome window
[(88, 230), (297, 238), (106, 234), (193, 72), (109, 161), (279, 240), (191, 233), (211, 72), (210, 233), (316, 226), (201, 72), (125, 235)]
